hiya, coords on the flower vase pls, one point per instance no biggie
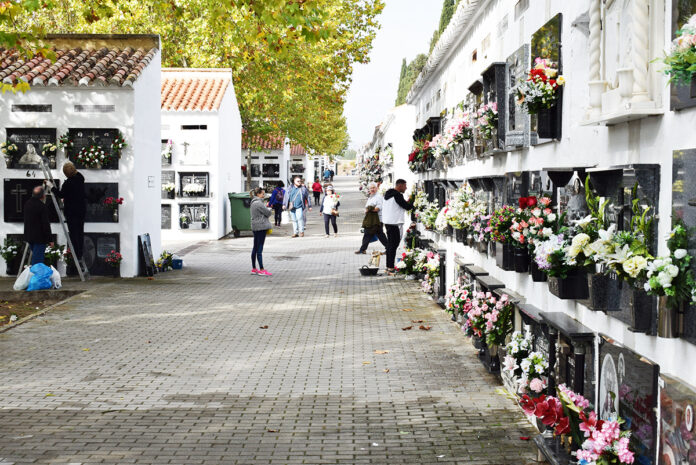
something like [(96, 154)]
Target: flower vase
[(184, 225), (71, 269), (505, 256), (114, 215), (97, 166), (642, 308), (547, 122), (482, 247), (449, 231), (574, 286), (204, 225), (538, 276), (604, 293), (170, 195), (521, 259), (490, 358), (8, 161), (625, 82), (116, 271), (460, 235), (667, 319)]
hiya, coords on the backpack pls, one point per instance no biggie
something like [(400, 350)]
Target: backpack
[(279, 195)]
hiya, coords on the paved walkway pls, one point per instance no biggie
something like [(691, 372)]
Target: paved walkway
[(178, 370)]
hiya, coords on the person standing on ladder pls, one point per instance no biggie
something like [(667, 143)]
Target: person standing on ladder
[(75, 205), (37, 226)]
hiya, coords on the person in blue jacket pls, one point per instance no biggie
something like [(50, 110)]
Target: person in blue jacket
[(276, 202)]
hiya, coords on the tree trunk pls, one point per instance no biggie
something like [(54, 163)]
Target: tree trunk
[(248, 170)]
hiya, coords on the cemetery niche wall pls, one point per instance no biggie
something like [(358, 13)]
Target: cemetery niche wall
[(30, 143), (84, 139)]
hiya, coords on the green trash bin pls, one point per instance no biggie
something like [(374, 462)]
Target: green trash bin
[(239, 212)]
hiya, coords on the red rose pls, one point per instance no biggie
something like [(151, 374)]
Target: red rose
[(523, 202), (531, 201)]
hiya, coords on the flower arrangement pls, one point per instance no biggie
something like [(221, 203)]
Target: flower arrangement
[(489, 317), (10, 250), (542, 222), (194, 188), (65, 142), (516, 350), (441, 221), (48, 149), (431, 267), (682, 55), (420, 201), (428, 216), (67, 256), (93, 156), (550, 256), (169, 151), (487, 119), (113, 202), (500, 223), (540, 90), (117, 145), (457, 298), (9, 149), (457, 129), (549, 410), (411, 262), (53, 253), (184, 218), (166, 261), (113, 258), (480, 226), (418, 159), (671, 276), (535, 373), (371, 169), (463, 208), (168, 187), (204, 218)]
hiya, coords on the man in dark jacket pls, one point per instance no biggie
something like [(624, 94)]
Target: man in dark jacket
[(75, 205), (37, 226), (393, 216)]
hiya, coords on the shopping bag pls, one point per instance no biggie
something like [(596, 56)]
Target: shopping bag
[(41, 279), (23, 279), (56, 282)]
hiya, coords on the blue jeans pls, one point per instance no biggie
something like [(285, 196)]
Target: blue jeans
[(257, 251), (297, 218), (37, 253)]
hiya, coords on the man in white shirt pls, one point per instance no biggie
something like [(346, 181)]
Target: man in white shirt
[(374, 204), (393, 215)]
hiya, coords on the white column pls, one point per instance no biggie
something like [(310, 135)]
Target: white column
[(640, 28), (596, 84)]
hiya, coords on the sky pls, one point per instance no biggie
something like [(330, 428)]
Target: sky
[(406, 31)]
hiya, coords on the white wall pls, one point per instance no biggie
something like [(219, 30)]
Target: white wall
[(649, 140), (134, 120)]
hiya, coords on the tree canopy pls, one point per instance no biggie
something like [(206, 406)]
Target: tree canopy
[(292, 60)]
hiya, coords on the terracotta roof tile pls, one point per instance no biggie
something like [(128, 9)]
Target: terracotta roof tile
[(77, 67), (297, 150), (193, 93), (266, 143)]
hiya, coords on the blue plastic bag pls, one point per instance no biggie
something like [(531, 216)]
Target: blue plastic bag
[(41, 279)]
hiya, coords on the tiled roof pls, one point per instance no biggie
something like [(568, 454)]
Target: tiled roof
[(195, 91), (272, 143), (297, 150), (106, 66)]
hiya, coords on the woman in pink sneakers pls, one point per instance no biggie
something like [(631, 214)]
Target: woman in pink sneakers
[(259, 226)]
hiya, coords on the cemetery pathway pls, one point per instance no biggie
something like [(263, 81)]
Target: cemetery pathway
[(180, 370)]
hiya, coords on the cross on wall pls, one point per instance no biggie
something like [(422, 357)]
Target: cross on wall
[(18, 193)]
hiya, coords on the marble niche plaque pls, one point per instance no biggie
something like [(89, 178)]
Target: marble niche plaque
[(97, 247), (166, 217), (628, 388), (271, 170), (684, 207), (517, 121), (168, 177), (677, 440), (195, 178), (17, 192), (29, 142), (96, 193), (196, 213), (87, 137), (195, 152)]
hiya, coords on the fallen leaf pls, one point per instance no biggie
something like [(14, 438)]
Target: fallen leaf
[(85, 350), (524, 438), (381, 352), (366, 363), (407, 328), (263, 327), (272, 430), (416, 321), (424, 328), (150, 278), (386, 370), (49, 395), (407, 310)]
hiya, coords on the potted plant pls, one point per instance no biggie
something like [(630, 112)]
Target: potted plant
[(489, 320), (10, 152), (204, 221), (169, 189), (559, 260), (53, 254), (10, 253), (538, 95), (113, 259), (184, 221), (500, 223), (113, 203), (670, 279)]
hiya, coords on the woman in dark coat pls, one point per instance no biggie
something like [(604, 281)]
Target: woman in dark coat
[(75, 205)]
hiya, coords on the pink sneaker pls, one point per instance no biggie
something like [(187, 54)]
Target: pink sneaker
[(264, 273), (254, 271)]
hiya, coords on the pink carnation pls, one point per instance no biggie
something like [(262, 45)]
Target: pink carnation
[(536, 385)]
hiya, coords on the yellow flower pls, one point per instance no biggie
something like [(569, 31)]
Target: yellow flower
[(561, 80)]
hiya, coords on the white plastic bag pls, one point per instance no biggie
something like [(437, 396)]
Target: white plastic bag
[(55, 279), (23, 279)]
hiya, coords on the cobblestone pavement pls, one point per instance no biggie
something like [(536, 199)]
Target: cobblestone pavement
[(179, 369)]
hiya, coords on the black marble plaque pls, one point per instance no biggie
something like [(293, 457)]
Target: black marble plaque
[(168, 177), (30, 142), (97, 247), (17, 192), (197, 213), (271, 170), (194, 178), (255, 171), (93, 136), (166, 217), (516, 186), (96, 193), (517, 120), (677, 440), (628, 388)]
